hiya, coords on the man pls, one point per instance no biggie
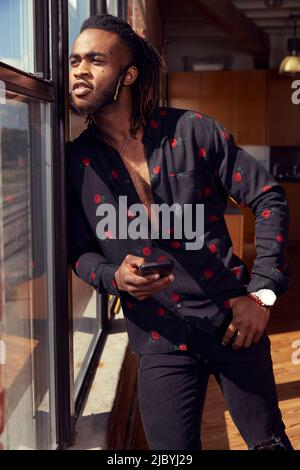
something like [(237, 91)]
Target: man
[(208, 316)]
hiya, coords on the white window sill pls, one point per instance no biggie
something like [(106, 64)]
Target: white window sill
[(91, 426)]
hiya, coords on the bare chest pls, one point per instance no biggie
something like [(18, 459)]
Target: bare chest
[(137, 168)]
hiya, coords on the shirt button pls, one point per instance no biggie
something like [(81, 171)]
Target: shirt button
[(179, 305)]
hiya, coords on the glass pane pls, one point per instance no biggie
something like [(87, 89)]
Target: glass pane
[(135, 16), (87, 326), (17, 34), (112, 7), (25, 243), (86, 302), (79, 10)]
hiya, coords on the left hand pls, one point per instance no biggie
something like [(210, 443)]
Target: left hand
[(249, 321)]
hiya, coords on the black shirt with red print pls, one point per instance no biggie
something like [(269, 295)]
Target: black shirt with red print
[(192, 159)]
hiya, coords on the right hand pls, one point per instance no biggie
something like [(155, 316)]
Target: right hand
[(140, 287)]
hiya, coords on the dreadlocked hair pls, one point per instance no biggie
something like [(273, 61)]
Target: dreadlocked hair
[(144, 56)]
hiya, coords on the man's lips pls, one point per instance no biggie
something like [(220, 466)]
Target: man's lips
[(82, 88)]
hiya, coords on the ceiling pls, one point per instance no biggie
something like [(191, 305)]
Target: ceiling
[(184, 19), (272, 20)]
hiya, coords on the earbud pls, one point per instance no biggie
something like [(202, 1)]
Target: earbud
[(118, 86), (123, 75)]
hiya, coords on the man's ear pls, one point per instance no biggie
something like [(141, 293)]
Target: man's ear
[(130, 76)]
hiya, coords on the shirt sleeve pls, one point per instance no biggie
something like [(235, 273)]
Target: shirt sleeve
[(84, 253), (248, 182)]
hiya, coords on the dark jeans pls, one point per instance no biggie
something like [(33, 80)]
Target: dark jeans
[(172, 388)]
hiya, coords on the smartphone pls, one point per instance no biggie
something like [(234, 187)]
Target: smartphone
[(163, 268)]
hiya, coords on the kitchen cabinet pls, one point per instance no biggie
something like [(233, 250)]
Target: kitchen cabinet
[(235, 223), (184, 90), (292, 191), (217, 97), (283, 116), (250, 115), (237, 99), (255, 105)]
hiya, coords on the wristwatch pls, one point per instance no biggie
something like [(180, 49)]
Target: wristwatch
[(266, 297)]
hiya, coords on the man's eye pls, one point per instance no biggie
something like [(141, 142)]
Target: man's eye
[(73, 63), (98, 61)]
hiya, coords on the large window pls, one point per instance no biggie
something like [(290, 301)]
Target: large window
[(25, 234), (44, 357), (26, 228)]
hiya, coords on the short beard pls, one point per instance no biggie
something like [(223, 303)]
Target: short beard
[(106, 99)]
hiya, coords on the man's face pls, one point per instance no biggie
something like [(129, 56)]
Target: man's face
[(96, 63)]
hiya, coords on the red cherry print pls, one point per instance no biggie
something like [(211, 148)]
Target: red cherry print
[(154, 124), (225, 134), (212, 248), (182, 347), (226, 303), (160, 312), (86, 161), (175, 297), (280, 238), (198, 115), (237, 177), (266, 188), (202, 153), (161, 258), (9, 198), (208, 273), (213, 218), (93, 276), (114, 283), (173, 143), (129, 305), (266, 213), (109, 234), (115, 174), (162, 112), (172, 174), (76, 265), (155, 335), (207, 192), (175, 244), (97, 198), (146, 251), (156, 170), (236, 271)]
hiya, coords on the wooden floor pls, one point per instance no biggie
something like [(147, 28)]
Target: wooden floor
[(218, 431)]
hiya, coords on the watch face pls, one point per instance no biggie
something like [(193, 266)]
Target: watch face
[(267, 297)]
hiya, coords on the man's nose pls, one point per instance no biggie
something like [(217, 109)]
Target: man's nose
[(82, 70)]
